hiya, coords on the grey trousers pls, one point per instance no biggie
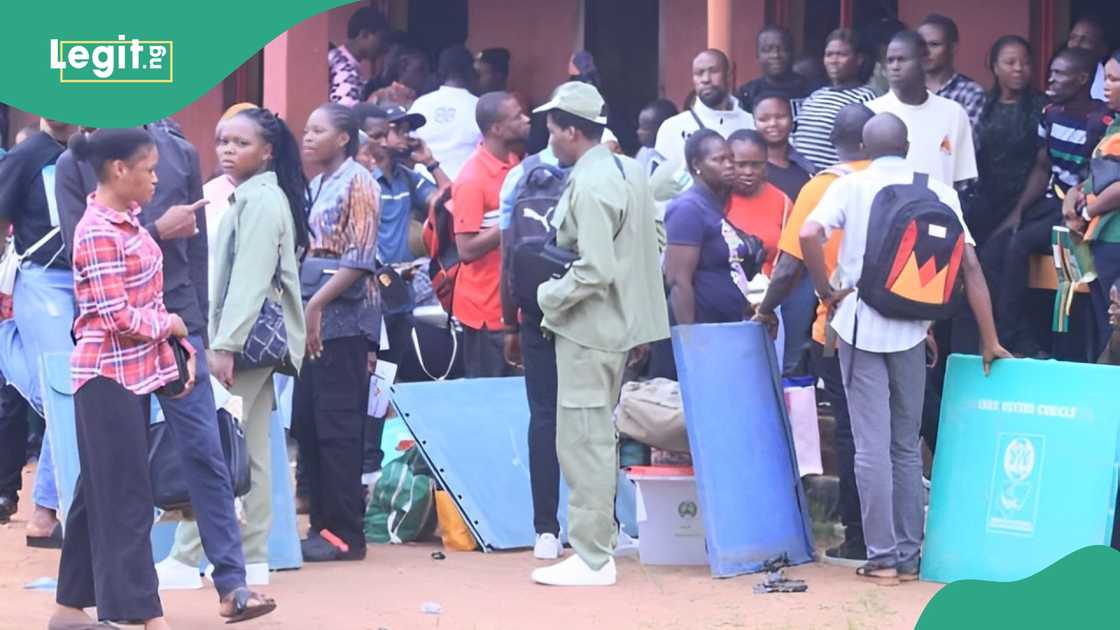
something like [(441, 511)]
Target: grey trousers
[(885, 392)]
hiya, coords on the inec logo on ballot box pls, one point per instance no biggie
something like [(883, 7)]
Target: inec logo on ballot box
[(118, 60)]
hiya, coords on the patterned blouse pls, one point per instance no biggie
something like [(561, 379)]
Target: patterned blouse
[(122, 322), (344, 219), (345, 78)]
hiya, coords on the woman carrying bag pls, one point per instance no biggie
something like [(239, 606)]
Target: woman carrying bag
[(343, 311), (256, 315), (123, 354)]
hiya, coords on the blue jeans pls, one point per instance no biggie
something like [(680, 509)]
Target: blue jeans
[(193, 422), (44, 316), (799, 309)]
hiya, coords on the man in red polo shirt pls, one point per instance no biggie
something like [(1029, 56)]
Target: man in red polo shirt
[(474, 198)]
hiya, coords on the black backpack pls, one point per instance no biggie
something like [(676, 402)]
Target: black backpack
[(915, 248), (530, 228)]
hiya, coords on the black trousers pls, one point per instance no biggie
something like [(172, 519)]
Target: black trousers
[(483, 355), (539, 356), (107, 552), (13, 441), (328, 420), (828, 370), (1033, 237)]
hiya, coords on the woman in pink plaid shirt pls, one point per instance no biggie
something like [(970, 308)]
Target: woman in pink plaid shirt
[(121, 357)]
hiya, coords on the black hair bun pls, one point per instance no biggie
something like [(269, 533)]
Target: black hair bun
[(80, 146)]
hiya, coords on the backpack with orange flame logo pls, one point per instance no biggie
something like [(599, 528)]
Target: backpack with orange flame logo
[(915, 247)]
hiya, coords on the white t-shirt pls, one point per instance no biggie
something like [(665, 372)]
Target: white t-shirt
[(846, 205), (1097, 91), (675, 130), (451, 131), (940, 136)]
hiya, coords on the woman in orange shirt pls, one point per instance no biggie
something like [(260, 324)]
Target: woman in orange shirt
[(756, 207)]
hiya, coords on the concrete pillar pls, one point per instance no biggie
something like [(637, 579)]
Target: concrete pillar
[(295, 71), (719, 25)]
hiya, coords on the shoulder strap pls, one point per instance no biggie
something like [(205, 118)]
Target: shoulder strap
[(39, 243), (697, 118), (839, 170), (921, 180)]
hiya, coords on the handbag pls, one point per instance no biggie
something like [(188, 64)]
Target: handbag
[(182, 356), (316, 272), (169, 487), (267, 343)]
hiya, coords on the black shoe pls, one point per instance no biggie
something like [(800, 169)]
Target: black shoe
[(8, 507), (850, 553), (316, 549), (909, 571)]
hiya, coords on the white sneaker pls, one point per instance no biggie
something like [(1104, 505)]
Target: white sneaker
[(548, 547), (575, 572), (256, 574), (177, 576)]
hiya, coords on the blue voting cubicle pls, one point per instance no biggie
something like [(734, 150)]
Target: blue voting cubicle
[(742, 447), (283, 542), (1026, 467), (474, 435)]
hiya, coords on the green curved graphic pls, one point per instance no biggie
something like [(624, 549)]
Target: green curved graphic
[(208, 40), (1077, 592)]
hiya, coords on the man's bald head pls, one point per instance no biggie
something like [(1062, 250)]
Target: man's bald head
[(885, 135), (847, 130)]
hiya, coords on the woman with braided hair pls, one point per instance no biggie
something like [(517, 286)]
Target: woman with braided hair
[(256, 260)]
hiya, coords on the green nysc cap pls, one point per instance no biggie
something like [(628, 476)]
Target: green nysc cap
[(578, 99)]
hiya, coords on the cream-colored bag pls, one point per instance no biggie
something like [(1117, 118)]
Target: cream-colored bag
[(651, 413)]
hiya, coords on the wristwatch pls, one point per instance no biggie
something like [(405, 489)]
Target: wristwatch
[(433, 166)]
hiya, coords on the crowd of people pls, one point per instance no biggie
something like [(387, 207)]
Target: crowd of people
[(558, 257)]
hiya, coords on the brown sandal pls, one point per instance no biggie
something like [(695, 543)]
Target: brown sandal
[(883, 576), (242, 609)]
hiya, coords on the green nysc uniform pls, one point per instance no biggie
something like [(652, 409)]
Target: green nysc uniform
[(610, 301)]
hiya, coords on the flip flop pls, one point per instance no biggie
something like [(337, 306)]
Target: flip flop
[(54, 541), (242, 611)]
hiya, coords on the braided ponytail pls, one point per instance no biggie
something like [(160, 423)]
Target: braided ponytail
[(287, 166)]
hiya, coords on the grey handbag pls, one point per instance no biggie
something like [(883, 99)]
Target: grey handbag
[(316, 271)]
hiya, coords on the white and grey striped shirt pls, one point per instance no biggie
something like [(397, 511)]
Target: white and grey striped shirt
[(817, 117)]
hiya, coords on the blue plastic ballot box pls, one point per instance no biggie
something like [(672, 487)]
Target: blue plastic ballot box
[(474, 435), (1025, 470), (742, 447)]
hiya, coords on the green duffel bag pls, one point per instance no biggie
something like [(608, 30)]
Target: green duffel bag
[(402, 508)]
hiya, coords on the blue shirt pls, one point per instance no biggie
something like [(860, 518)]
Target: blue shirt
[(695, 219), (506, 199), (405, 190)]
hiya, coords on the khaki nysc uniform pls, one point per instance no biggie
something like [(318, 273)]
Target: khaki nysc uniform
[(258, 226), (610, 301)]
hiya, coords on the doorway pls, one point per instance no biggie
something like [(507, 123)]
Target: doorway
[(622, 35), (437, 24)]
